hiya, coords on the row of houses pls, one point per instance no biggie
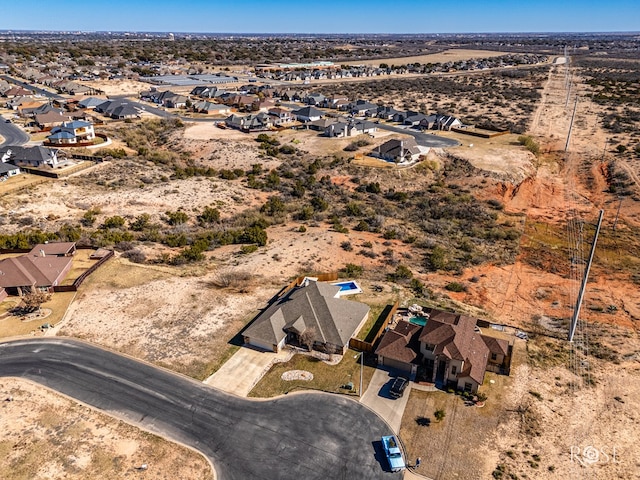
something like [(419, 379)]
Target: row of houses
[(449, 348)]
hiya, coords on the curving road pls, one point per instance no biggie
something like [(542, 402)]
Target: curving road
[(12, 134), (302, 436)]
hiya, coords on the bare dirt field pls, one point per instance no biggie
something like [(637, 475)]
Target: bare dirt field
[(44, 435), (119, 87), (453, 55)]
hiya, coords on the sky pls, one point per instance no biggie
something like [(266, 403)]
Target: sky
[(326, 16)]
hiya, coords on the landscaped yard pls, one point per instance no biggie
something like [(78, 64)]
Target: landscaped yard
[(11, 325), (328, 378)]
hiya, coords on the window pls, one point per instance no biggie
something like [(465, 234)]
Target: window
[(453, 370), (494, 357), (467, 387)]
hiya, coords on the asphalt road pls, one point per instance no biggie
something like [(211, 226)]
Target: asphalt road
[(12, 134), (300, 436), (30, 86)]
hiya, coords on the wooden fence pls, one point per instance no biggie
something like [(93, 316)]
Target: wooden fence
[(369, 343), (322, 277), (78, 281)]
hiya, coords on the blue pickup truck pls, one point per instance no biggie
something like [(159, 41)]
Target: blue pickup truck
[(393, 453)]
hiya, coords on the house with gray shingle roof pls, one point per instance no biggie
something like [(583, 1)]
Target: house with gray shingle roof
[(29, 156), (312, 309)]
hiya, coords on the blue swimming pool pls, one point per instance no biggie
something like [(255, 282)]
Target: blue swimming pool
[(348, 288), (418, 321)]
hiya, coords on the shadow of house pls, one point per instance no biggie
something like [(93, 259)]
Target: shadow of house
[(310, 314)]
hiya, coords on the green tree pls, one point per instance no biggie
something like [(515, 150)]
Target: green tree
[(209, 215), (113, 222), (176, 218)]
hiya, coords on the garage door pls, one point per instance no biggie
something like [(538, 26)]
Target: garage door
[(259, 344), (401, 366)]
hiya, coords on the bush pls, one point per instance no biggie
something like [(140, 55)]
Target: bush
[(352, 270), (176, 218), (439, 415), (113, 222), (346, 245), (247, 249), (455, 287), (208, 216), (530, 144)]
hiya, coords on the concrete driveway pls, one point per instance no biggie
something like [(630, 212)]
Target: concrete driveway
[(378, 399), (244, 369)]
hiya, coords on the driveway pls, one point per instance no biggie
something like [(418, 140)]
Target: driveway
[(244, 369), (310, 436), (378, 399)]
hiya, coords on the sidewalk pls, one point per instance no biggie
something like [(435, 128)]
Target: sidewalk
[(244, 369)]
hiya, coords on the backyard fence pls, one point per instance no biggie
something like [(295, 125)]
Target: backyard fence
[(78, 281), (378, 329)]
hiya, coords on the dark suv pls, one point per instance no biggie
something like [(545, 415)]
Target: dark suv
[(398, 387)]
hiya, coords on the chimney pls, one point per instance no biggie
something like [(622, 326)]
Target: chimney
[(42, 254)]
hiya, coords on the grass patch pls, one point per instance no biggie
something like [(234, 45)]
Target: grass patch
[(328, 378), (377, 315), (81, 263), (119, 273)]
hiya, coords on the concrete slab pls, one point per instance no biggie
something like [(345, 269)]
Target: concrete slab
[(378, 399), (244, 369)]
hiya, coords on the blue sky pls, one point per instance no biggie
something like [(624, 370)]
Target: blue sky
[(327, 16)]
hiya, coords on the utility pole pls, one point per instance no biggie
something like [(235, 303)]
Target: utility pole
[(576, 310), (573, 116)]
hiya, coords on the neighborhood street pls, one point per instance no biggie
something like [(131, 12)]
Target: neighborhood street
[(11, 134), (306, 435)]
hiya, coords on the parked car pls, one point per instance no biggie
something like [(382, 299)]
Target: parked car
[(393, 453), (398, 387)]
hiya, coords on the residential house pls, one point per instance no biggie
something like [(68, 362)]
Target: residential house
[(74, 132), (250, 123), (362, 108), (35, 270), (414, 119), (321, 124), (14, 92), (118, 108), (456, 353), (29, 156), (335, 102), (440, 122), (386, 112), (8, 169), (90, 103), (307, 114), (311, 313), (315, 99), (280, 115), (211, 108), (450, 348), (399, 151), (45, 121), (350, 129)]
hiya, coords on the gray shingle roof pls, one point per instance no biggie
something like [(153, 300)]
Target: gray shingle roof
[(315, 307)]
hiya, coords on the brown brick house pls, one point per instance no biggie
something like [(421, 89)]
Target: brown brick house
[(450, 348)]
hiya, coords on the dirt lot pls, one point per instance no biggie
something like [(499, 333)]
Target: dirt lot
[(44, 436), (454, 55)]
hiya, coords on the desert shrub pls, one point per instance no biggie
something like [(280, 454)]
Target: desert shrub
[(346, 245), (352, 270), (439, 415), (230, 278), (455, 287), (141, 222), (247, 249), (135, 255), (176, 218), (113, 222), (530, 144)]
